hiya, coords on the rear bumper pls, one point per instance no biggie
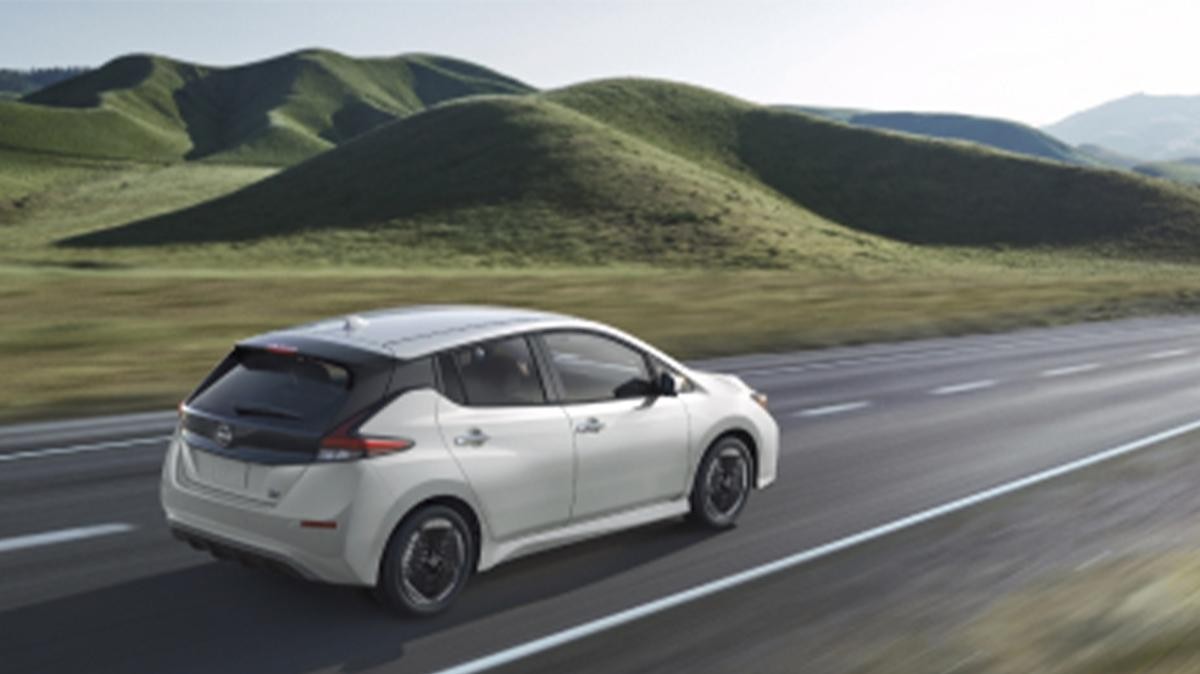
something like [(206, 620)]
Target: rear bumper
[(233, 551), (270, 534)]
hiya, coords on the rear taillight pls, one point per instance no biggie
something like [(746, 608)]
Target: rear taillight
[(345, 443)]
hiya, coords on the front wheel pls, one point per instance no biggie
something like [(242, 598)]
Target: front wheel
[(427, 562), (722, 485)]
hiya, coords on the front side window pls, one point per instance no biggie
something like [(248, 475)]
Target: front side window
[(499, 372), (595, 368)]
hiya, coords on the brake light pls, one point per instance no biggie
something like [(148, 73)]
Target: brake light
[(282, 349), (346, 444)]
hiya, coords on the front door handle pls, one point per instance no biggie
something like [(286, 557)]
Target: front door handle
[(592, 425), (473, 438)]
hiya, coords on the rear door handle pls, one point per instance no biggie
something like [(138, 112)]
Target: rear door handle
[(473, 438), (592, 425)]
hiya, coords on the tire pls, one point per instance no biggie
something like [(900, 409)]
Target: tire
[(723, 483), (426, 563)]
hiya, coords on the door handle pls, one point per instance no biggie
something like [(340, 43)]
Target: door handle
[(592, 425), (473, 438)]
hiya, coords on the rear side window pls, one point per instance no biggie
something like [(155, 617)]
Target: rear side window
[(499, 372), (412, 375), (593, 368), (266, 385)]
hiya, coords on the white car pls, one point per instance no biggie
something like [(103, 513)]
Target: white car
[(403, 450)]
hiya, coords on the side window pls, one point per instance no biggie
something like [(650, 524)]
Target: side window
[(452, 386), (500, 372), (413, 374), (593, 368)]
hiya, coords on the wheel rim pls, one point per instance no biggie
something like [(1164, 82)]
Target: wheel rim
[(727, 482), (434, 560)]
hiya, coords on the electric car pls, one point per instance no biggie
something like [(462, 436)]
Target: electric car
[(404, 450)]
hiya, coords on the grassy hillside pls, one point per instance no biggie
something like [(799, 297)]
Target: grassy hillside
[(1000, 134), (15, 83), (1181, 170), (510, 181), (997, 133), (275, 112), (641, 171)]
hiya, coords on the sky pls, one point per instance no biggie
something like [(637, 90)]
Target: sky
[(1031, 61)]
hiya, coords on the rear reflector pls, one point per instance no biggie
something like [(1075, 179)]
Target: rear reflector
[(318, 524)]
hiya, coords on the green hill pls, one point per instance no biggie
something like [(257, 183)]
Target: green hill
[(642, 171), (1181, 170), (637, 170), (997, 133), (19, 82), (509, 180), (276, 112), (1000, 134)]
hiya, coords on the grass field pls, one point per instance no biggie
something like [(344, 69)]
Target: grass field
[(86, 342)]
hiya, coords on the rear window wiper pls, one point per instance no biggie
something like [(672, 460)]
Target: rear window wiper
[(265, 411)]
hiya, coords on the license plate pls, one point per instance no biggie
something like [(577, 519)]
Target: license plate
[(219, 471)]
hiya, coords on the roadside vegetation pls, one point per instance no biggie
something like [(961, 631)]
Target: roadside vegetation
[(98, 341)]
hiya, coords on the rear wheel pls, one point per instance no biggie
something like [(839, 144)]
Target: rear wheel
[(723, 483), (427, 562)]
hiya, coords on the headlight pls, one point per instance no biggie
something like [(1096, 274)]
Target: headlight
[(760, 398)]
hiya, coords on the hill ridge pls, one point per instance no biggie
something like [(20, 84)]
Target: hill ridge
[(277, 110)]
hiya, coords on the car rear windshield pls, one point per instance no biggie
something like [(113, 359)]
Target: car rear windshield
[(288, 388)]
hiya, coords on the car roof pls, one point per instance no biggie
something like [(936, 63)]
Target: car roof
[(410, 332)]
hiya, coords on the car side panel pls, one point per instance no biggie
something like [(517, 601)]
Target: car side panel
[(523, 474)]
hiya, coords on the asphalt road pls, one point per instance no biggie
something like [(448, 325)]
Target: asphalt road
[(90, 580)]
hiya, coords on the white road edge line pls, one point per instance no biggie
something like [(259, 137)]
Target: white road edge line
[(79, 449), (833, 409), (963, 388), (1159, 355), (629, 615), (63, 536), (1070, 369)]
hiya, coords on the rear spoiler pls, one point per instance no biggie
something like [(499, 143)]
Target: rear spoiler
[(333, 351)]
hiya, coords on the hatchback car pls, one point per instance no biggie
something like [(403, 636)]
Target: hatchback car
[(404, 450)]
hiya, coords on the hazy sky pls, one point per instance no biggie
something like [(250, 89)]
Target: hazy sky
[(1034, 61)]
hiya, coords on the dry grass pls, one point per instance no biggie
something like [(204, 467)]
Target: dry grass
[(1135, 615), (79, 342)]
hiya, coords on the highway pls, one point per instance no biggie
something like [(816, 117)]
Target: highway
[(90, 580)]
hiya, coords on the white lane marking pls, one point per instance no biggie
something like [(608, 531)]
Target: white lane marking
[(79, 449), (63, 536), (833, 409), (1070, 369), (629, 615), (963, 388), (1172, 353)]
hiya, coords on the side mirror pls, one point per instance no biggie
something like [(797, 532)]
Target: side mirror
[(666, 385)]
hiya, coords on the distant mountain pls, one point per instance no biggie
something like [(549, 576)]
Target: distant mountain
[(20, 82), (997, 133), (655, 172), (277, 111), (1150, 127)]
